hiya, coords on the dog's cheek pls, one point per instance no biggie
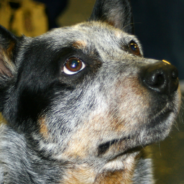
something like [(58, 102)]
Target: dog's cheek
[(82, 143), (114, 118), (130, 104)]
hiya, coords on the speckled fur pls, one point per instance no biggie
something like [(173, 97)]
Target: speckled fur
[(86, 128)]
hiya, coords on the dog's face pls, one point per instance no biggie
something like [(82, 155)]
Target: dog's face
[(86, 93)]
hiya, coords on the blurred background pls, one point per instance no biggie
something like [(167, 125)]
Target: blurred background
[(159, 25)]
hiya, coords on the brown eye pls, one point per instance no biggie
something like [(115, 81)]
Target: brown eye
[(73, 65), (133, 47)]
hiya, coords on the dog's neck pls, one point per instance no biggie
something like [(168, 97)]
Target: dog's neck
[(119, 171)]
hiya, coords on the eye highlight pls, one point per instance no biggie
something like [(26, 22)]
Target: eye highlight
[(73, 65), (134, 48)]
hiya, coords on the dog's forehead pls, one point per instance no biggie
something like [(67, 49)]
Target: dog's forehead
[(88, 35)]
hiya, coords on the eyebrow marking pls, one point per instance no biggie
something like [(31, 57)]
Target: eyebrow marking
[(118, 34), (43, 127), (79, 44)]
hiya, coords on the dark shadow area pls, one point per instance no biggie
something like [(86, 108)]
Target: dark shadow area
[(159, 26), (168, 155)]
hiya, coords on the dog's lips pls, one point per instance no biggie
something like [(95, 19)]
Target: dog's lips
[(103, 148), (160, 117), (117, 147)]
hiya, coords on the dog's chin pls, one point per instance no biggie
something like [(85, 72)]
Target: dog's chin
[(157, 129)]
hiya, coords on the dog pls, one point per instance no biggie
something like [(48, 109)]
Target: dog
[(81, 102)]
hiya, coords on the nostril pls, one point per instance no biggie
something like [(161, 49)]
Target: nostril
[(157, 80)]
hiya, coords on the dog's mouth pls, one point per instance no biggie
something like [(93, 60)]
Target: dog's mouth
[(103, 148), (137, 140), (117, 147), (160, 117)]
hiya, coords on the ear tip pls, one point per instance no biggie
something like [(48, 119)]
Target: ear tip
[(117, 13)]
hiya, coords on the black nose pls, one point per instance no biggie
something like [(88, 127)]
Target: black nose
[(161, 77)]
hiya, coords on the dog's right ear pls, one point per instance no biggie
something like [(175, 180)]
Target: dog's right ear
[(117, 13), (8, 44)]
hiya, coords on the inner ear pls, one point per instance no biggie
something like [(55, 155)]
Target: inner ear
[(8, 44), (6, 65), (117, 13)]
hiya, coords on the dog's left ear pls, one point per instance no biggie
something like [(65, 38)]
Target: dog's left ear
[(115, 12), (8, 44)]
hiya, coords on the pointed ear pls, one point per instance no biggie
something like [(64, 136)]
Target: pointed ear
[(115, 12), (8, 44)]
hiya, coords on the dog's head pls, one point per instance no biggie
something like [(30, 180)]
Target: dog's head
[(85, 92)]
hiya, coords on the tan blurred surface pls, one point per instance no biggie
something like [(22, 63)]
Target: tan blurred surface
[(2, 120), (29, 19), (78, 11)]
